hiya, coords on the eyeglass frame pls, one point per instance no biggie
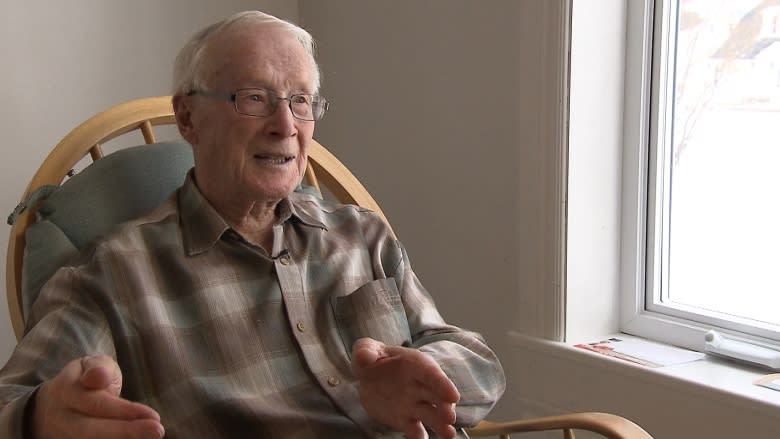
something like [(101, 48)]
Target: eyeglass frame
[(274, 106)]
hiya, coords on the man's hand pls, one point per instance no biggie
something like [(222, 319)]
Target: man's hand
[(404, 389), (83, 401)]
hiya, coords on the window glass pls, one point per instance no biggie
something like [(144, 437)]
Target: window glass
[(715, 197)]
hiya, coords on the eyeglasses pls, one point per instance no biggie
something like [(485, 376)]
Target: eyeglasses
[(260, 102)]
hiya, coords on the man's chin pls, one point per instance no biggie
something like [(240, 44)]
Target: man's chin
[(273, 191)]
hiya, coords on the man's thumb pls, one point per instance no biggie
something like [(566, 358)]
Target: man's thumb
[(366, 351), (101, 373)]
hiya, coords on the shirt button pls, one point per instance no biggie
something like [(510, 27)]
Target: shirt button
[(285, 260), (334, 381), (301, 326)]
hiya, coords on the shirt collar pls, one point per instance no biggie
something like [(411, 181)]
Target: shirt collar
[(304, 207), (202, 226)]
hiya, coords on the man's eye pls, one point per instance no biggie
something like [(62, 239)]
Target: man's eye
[(256, 98), (301, 99)]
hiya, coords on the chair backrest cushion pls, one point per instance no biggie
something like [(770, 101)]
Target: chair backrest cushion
[(114, 189)]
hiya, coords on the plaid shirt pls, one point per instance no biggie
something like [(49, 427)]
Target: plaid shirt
[(225, 341)]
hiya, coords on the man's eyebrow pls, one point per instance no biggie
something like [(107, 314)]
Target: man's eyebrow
[(304, 89), (253, 84)]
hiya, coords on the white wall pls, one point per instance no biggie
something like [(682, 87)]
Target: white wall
[(451, 112), (63, 61), (447, 111)]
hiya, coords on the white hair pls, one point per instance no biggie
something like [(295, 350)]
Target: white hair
[(191, 66)]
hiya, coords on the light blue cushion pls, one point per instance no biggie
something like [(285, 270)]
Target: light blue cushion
[(46, 248), (117, 188)]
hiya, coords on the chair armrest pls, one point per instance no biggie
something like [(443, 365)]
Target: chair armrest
[(608, 425)]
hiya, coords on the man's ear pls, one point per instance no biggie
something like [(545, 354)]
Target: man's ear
[(182, 109)]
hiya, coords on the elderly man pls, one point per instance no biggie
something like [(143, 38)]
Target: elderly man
[(239, 307)]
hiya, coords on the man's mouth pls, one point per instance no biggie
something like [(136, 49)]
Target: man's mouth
[(275, 159)]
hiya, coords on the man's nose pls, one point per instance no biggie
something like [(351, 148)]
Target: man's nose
[(282, 119)]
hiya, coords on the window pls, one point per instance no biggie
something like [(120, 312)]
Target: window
[(704, 241)]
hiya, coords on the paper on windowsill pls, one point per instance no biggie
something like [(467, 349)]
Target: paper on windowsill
[(771, 381), (642, 352)]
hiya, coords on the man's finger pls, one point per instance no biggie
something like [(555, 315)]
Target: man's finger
[(101, 372), (103, 428), (427, 373), (426, 392), (414, 429), (367, 352), (100, 382), (442, 389), (437, 418), (445, 432), (99, 404)]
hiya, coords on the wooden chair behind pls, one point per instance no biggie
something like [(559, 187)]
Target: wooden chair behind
[(325, 171), (606, 424)]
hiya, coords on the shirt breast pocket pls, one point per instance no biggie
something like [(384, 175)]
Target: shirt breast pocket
[(374, 310)]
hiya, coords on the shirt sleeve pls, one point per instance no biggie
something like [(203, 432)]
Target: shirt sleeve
[(463, 355), (65, 324), (12, 414)]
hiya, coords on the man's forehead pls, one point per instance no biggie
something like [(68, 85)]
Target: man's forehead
[(261, 57)]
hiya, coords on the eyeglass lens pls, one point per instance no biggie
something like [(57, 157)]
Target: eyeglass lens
[(260, 102)]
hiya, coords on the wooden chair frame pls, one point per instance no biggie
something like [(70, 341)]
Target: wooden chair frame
[(606, 424), (324, 170)]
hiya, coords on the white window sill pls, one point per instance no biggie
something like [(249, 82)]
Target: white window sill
[(716, 377), (711, 398)]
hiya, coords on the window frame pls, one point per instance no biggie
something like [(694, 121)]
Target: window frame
[(638, 276)]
